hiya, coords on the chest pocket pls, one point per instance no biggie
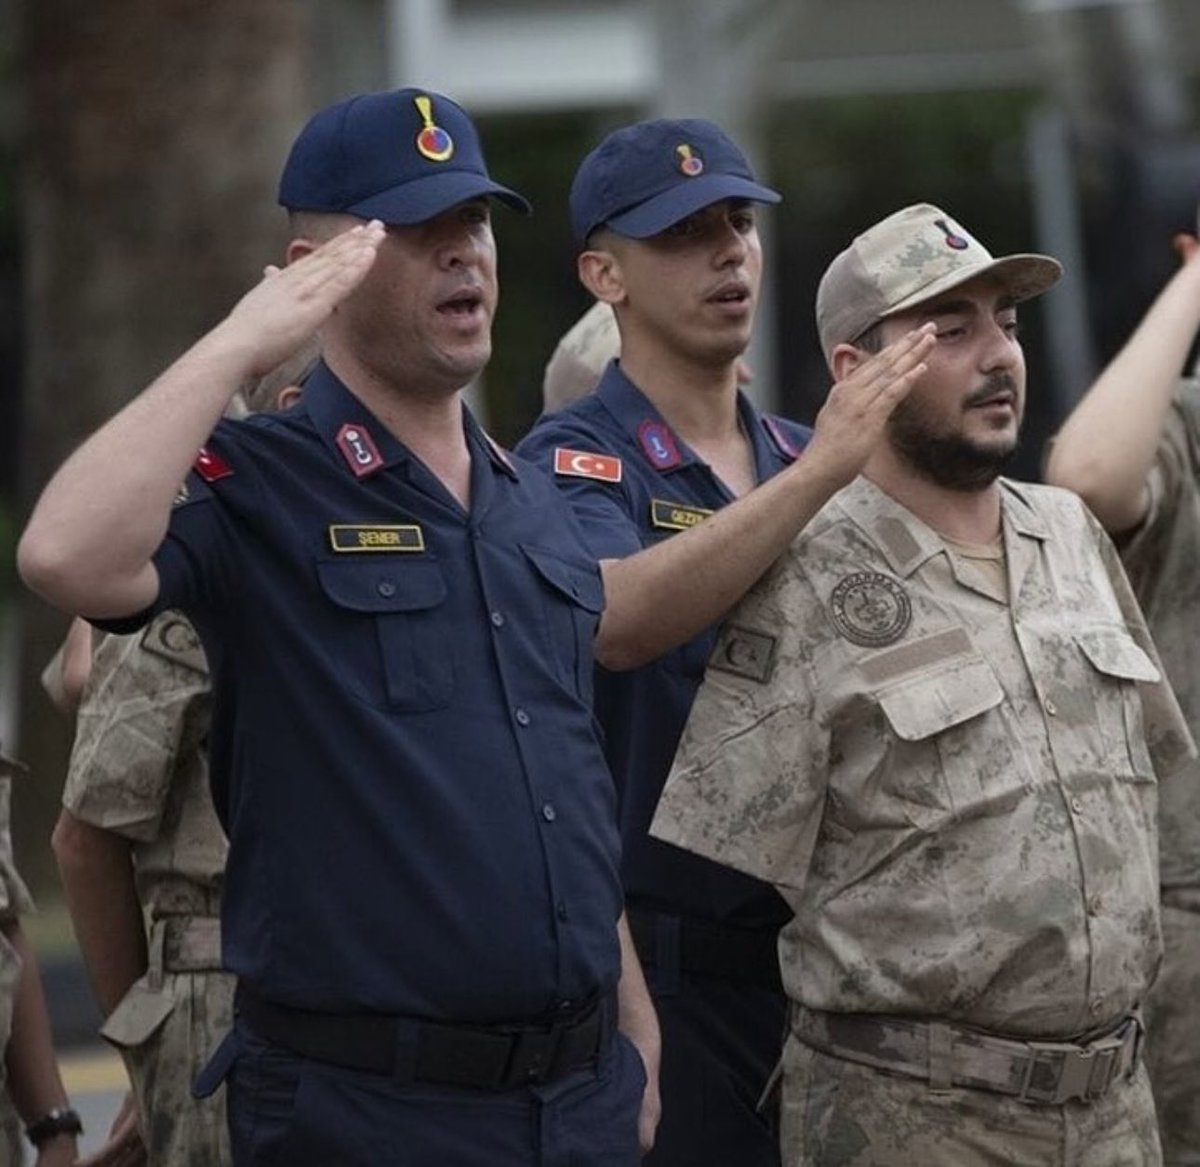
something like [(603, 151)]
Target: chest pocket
[(572, 597), (1119, 663), (952, 752), (402, 636)]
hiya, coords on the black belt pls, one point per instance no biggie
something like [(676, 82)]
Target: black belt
[(487, 1057), (745, 955)]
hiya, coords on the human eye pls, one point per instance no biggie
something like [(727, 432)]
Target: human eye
[(476, 213), (743, 220), (1011, 326), (685, 228)]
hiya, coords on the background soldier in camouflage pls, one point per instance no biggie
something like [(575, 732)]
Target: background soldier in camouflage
[(580, 357), (935, 725), (1132, 449), (138, 838), (29, 1080)]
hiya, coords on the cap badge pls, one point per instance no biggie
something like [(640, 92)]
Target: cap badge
[(953, 238), (689, 163), (432, 142)]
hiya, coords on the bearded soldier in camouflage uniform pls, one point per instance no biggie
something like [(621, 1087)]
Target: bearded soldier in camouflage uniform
[(1132, 450), (935, 726)]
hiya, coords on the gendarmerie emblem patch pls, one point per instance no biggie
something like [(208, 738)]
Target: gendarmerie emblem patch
[(744, 652), (870, 609)]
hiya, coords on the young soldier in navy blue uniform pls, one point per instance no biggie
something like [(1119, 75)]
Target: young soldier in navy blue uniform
[(665, 214), (422, 894)]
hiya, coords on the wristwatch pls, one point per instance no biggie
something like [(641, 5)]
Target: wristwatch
[(62, 1120)]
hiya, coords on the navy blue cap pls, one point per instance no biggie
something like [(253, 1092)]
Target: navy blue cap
[(644, 178), (402, 157)]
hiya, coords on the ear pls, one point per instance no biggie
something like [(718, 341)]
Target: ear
[(600, 272), (844, 359), (288, 396), (300, 247)]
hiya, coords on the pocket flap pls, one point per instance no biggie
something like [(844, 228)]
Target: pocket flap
[(378, 587), (1114, 652), (578, 580), (927, 704), (138, 1015)]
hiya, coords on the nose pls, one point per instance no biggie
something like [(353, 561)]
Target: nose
[(731, 245), (1001, 348)]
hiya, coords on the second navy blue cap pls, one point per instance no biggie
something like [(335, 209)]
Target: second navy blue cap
[(644, 178), (402, 157)]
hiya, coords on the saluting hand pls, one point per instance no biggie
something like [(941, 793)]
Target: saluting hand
[(281, 313), (855, 413)]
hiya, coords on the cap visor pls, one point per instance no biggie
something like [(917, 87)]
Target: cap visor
[(686, 198), (1025, 276), (425, 198)]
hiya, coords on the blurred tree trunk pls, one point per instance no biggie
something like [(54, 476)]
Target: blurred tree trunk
[(155, 134)]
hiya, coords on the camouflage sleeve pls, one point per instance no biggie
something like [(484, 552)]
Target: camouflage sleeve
[(15, 899), (749, 780), (146, 704), (1167, 735)]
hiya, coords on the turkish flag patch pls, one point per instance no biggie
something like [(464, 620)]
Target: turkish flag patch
[(212, 467), (584, 464)]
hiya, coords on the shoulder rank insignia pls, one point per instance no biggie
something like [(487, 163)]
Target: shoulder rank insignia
[(584, 464), (744, 652), (211, 466), (676, 516), (356, 537), (359, 449), (173, 638), (870, 609)]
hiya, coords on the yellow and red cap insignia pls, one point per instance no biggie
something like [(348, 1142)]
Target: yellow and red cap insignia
[(433, 142), (690, 163)]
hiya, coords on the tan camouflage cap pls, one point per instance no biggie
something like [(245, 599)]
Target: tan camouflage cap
[(580, 357), (910, 257)]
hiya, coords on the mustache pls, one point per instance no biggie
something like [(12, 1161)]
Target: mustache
[(995, 383)]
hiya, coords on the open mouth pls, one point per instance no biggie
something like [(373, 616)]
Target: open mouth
[(733, 293), (462, 304)]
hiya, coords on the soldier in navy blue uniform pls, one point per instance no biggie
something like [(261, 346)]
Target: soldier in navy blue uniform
[(422, 903), (665, 214)]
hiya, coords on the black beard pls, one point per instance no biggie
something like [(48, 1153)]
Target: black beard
[(949, 460)]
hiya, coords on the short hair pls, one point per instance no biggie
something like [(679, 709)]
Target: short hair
[(259, 395)]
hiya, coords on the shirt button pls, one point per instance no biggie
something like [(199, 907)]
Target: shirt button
[(561, 911), (1097, 1004), (1051, 708), (548, 812), (1095, 903), (385, 587), (1076, 806), (498, 619), (522, 717)]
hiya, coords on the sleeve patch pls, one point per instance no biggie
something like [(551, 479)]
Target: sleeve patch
[(585, 464), (744, 652)]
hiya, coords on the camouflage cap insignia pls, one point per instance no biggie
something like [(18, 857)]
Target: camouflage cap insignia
[(433, 142), (658, 444), (870, 609), (357, 537), (676, 516), (359, 449), (953, 238), (744, 652), (174, 639), (585, 464), (690, 163), (211, 466)]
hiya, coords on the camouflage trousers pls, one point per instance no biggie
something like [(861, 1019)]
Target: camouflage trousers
[(165, 1035), (1173, 1037), (837, 1113)]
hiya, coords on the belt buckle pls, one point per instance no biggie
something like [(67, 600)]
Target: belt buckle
[(533, 1055), (1084, 1072)]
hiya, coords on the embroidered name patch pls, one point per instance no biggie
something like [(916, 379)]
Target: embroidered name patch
[(584, 464), (870, 609), (744, 652), (675, 516), (352, 537)]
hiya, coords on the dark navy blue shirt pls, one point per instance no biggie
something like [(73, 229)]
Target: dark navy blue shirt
[(403, 751), (663, 488)]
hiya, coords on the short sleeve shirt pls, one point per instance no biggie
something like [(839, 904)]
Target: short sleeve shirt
[(139, 763), (403, 750), (633, 482), (954, 785), (1162, 556), (15, 899)]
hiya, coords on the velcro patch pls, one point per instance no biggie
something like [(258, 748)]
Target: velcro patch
[(211, 466), (585, 464), (356, 537), (744, 652), (676, 516)]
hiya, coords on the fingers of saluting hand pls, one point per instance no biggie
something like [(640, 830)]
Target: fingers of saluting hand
[(893, 371), (334, 269)]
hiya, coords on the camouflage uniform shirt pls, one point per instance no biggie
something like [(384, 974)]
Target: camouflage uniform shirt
[(953, 787)]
